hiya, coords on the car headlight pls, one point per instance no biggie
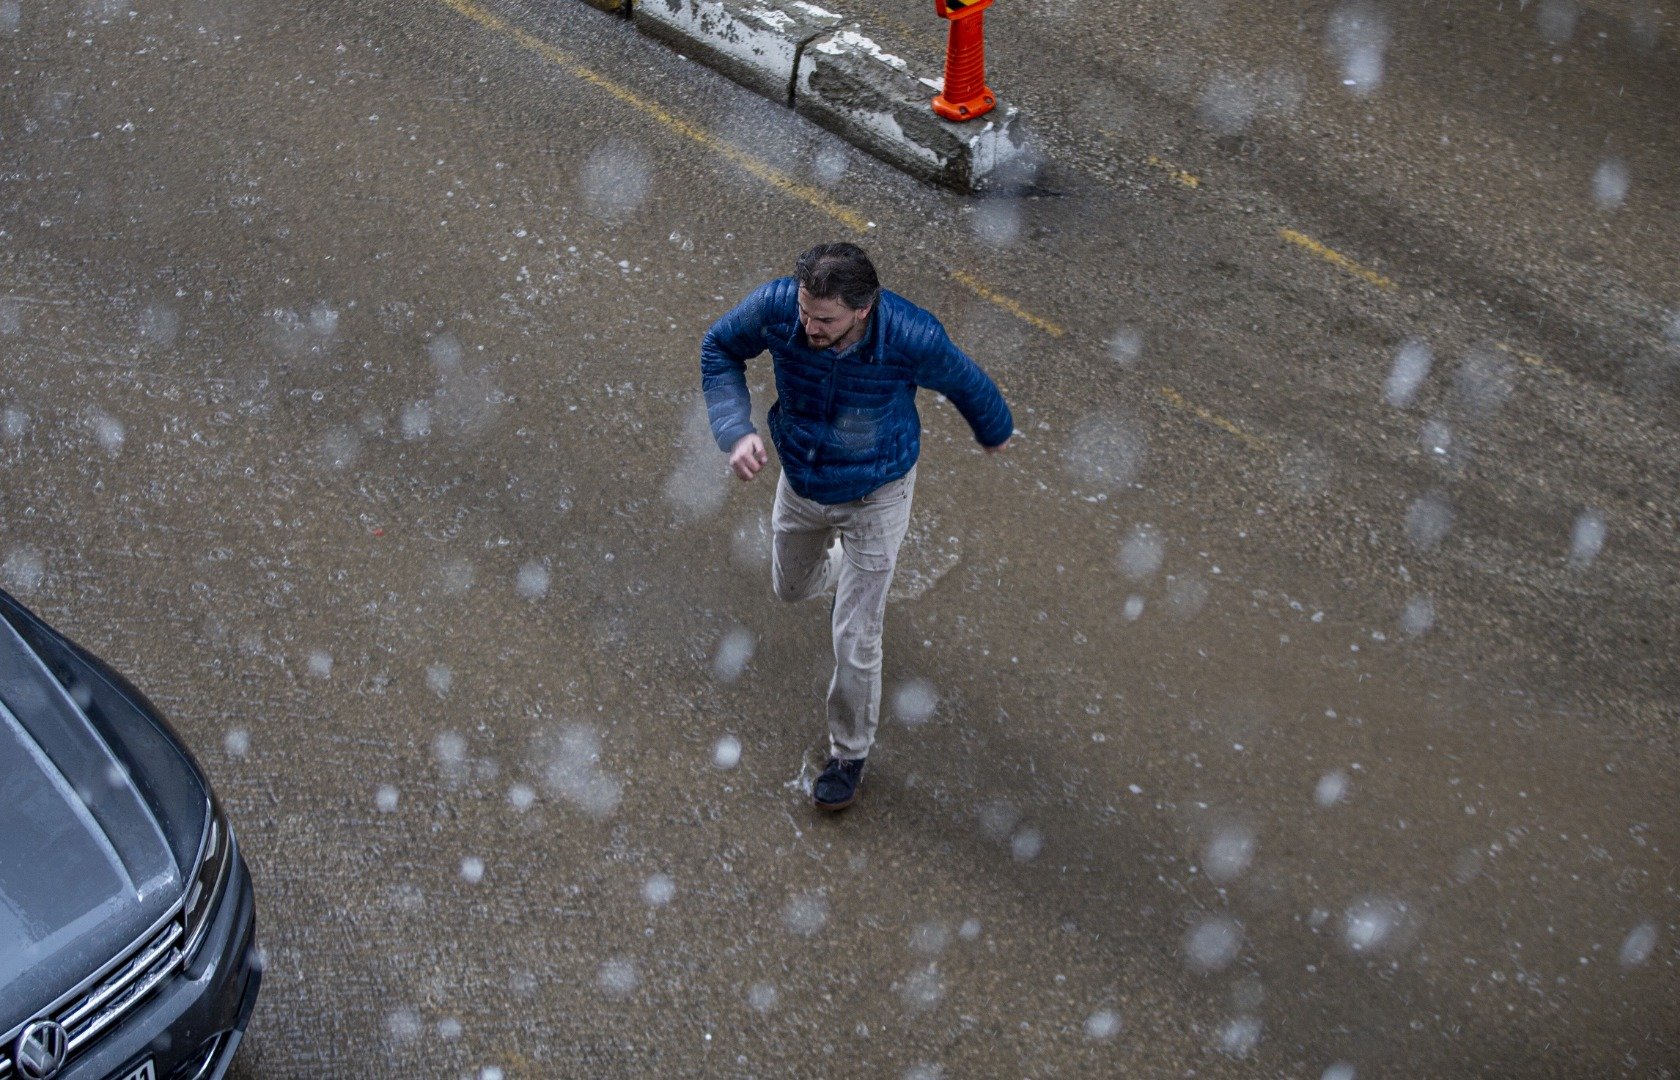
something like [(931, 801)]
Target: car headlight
[(215, 861)]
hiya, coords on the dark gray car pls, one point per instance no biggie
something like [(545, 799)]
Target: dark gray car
[(127, 927)]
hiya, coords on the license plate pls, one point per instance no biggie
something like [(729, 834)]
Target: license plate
[(144, 1072)]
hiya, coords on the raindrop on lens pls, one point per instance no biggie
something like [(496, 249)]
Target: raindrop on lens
[(323, 320), (930, 938), (1368, 925), (1126, 347), (404, 1025), (1102, 1025), (450, 751), (449, 748), (915, 701), (601, 796), (340, 448), (107, 429), (1227, 105), (923, 989), (830, 165), (1332, 788), (617, 978), (1106, 451), (1610, 183), (1639, 944), (456, 576), (408, 898), (750, 545), (1186, 596), (1482, 382), (733, 654), (1428, 520), (806, 914), (1418, 616), (658, 889), (439, 678), (1586, 539), (1212, 944), (1239, 1036), (1142, 553), (445, 353), (159, 324), (1228, 854), (1436, 437), (23, 569), (616, 179), (1358, 37), (1411, 367), (416, 420), (997, 222), (532, 581)]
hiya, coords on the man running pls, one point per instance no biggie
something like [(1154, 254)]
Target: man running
[(848, 358)]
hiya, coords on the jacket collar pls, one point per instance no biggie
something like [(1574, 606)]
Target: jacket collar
[(867, 347)]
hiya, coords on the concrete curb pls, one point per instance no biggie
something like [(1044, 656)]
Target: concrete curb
[(802, 55), (757, 44), (846, 83)]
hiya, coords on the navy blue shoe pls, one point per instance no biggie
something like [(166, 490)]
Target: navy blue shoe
[(837, 786)]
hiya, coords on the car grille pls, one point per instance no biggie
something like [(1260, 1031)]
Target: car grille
[(142, 969), (198, 1066)]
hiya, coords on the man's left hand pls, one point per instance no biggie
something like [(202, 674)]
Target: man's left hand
[(998, 449)]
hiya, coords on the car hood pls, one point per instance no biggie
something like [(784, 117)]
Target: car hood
[(85, 867)]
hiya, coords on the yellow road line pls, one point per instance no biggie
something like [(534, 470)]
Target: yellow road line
[(664, 117), (1335, 258), (1176, 400), (1004, 302), (1174, 173), (1531, 360)]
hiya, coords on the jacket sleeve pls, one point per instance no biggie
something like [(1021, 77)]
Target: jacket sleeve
[(724, 352), (943, 367)]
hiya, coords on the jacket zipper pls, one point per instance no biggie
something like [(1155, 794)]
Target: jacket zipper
[(828, 406)]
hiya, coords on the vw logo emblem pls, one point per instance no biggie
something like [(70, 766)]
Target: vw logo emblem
[(41, 1050)]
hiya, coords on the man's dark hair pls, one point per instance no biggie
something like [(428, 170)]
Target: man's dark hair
[(839, 272)]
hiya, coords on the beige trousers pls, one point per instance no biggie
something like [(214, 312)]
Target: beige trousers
[(860, 570)]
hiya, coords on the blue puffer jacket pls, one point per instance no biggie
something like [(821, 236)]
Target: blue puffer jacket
[(842, 426)]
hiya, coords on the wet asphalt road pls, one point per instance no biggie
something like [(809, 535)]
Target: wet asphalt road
[(1283, 716)]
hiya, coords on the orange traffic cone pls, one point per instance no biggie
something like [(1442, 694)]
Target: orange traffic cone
[(966, 94)]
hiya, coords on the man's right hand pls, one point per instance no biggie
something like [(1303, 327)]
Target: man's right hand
[(748, 456)]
